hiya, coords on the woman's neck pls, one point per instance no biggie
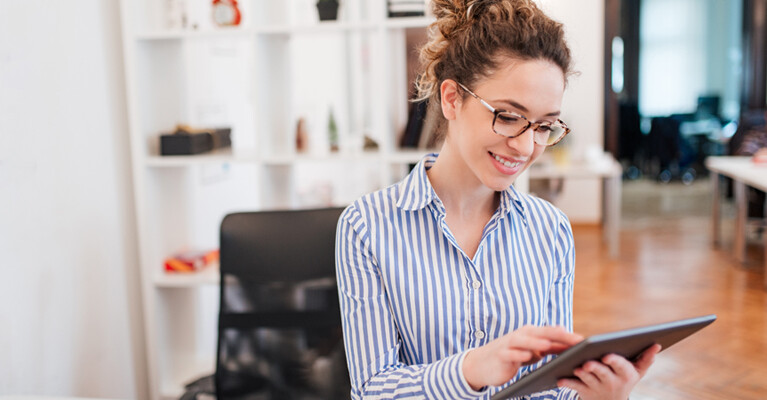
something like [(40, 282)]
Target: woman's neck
[(462, 193)]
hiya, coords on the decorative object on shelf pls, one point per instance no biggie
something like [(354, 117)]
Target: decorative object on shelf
[(190, 261), (301, 136), (370, 144), (186, 140), (406, 8), (175, 14), (332, 132), (328, 9), (226, 13)]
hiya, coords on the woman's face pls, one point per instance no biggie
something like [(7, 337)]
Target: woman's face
[(532, 88)]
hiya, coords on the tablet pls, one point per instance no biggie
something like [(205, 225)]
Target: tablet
[(628, 343)]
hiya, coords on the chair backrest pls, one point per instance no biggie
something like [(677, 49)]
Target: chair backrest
[(279, 334)]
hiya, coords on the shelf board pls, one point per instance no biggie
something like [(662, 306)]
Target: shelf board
[(288, 159), (207, 276), (408, 156), (192, 34), (320, 27), (226, 156), (408, 22), (285, 29), (213, 157)]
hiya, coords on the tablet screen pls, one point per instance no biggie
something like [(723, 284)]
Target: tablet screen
[(628, 343)]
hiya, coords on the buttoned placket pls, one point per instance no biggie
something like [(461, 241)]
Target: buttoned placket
[(472, 275)]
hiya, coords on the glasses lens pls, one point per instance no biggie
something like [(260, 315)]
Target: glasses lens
[(547, 135), (508, 124)]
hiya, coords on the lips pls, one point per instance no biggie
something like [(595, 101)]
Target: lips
[(507, 162)]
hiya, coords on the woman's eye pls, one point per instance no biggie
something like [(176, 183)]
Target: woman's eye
[(507, 119), (544, 129)]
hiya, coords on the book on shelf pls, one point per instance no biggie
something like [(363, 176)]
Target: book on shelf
[(414, 127)]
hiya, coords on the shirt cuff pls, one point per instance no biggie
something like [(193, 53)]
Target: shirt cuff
[(444, 380)]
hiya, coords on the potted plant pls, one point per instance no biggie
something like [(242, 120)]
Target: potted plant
[(328, 9)]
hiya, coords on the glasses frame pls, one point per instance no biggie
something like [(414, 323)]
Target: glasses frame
[(532, 124)]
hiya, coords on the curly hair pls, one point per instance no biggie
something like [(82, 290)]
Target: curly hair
[(469, 35)]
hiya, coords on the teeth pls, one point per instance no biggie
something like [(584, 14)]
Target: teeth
[(506, 162)]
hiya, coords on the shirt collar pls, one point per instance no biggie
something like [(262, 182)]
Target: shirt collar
[(416, 192)]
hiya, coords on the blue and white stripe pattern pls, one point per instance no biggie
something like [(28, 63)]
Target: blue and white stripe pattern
[(413, 303)]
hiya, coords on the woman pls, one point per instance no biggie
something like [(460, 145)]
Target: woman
[(451, 282)]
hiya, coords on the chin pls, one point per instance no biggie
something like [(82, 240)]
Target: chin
[(499, 184)]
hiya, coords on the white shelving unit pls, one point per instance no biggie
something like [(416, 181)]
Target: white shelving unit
[(259, 78)]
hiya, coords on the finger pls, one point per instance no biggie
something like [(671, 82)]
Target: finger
[(517, 356), (557, 348), (586, 377), (646, 359), (553, 333), (574, 384), (621, 366), (603, 372), (523, 342)]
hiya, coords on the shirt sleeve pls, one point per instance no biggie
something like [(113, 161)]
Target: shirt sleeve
[(559, 310), (371, 339)]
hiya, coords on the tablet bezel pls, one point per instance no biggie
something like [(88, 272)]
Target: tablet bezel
[(629, 343)]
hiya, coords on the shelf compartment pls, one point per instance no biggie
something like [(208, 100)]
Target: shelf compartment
[(408, 22), (207, 276), (322, 27), (221, 156), (195, 34), (288, 159)]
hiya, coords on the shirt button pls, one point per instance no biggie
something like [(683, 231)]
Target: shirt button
[(476, 284), (479, 334)]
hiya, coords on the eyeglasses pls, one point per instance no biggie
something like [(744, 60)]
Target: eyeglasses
[(511, 124)]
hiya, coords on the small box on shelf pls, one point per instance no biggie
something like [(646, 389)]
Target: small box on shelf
[(187, 141)]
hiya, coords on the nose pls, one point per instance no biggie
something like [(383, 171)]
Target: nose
[(523, 144)]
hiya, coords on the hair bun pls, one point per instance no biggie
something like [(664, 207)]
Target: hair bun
[(451, 15), (450, 9)]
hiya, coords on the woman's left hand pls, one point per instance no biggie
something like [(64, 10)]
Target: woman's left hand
[(611, 379)]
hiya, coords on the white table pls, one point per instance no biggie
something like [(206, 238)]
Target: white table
[(605, 168), (744, 173)]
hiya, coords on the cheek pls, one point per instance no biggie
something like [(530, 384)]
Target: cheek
[(537, 152)]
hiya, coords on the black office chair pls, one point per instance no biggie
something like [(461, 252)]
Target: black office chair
[(669, 154), (279, 333)]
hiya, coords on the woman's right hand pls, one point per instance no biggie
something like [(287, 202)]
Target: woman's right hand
[(498, 361)]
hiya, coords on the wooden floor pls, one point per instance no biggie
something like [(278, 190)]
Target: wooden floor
[(668, 269)]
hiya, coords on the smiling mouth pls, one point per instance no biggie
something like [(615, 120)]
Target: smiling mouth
[(505, 162)]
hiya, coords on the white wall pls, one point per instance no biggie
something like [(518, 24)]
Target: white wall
[(67, 235), (583, 105)]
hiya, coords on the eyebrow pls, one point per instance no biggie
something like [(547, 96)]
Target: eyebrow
[(524, 109)]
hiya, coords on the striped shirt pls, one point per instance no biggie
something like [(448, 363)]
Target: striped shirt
[(413, 303)]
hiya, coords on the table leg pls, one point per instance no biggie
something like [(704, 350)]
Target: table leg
[(612, 204), (741, 213), (716, 217)]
